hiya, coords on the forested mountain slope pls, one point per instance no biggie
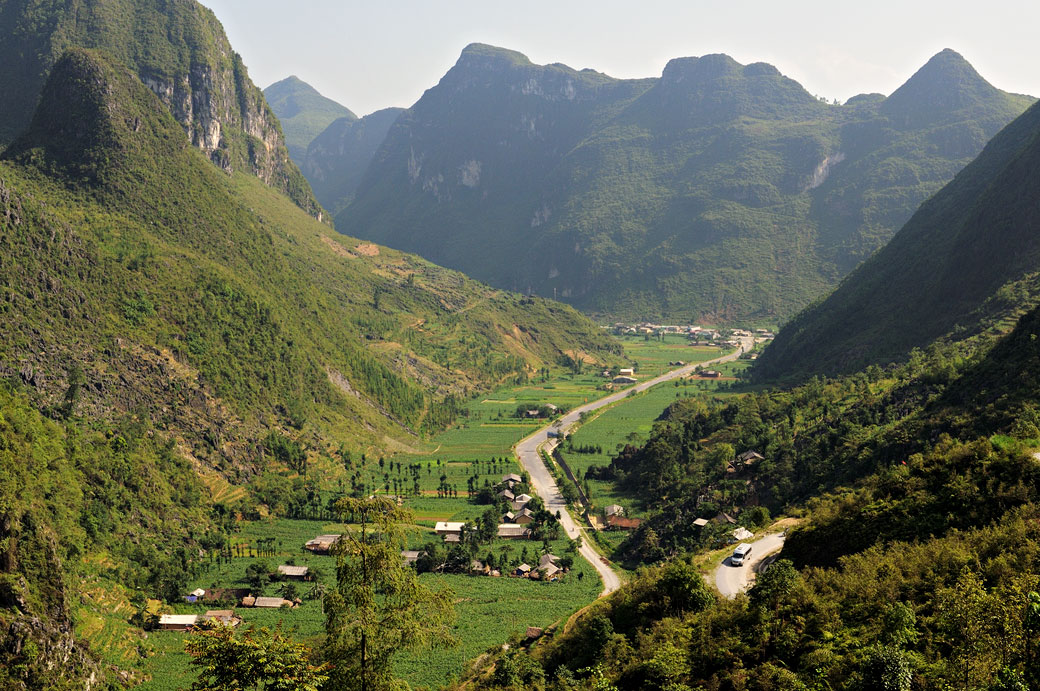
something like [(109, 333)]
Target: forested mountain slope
[(717, 192), (176, 47), (967, 260), (303, 112), (168, 329)]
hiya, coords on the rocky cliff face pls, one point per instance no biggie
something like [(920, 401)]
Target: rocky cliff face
[(179, 50)]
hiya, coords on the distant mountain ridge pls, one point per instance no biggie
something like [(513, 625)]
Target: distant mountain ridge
[(179, 50), (337, 158), (717, 192), (303, 112)]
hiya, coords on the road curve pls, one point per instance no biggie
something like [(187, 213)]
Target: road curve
[(545, 486), (731, 580)]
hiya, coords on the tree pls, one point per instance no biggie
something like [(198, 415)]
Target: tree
[(377, 607), (258, 575), (256, 659)]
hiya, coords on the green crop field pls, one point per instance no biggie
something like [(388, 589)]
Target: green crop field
[(489, 610), (651, 356), (630, 422)]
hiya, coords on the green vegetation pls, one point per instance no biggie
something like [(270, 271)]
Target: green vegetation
[(917, 486), (303, 113), (180, 50), (190, 333), (377, 609), (719, 192), (968, 257)]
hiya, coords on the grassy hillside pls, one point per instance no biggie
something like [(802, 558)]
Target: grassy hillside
[(718, 192), (179, 49), (170, 333), (965, 262), (303, 112)]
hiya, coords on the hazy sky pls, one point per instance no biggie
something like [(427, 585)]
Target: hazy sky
[(370, 55)]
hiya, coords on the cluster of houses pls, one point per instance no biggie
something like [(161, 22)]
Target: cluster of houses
[(242, 596), (625, 375), (548, 569), (513, 525), (738, 534)]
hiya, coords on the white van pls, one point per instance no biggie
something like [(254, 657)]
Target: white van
[(741, 553)]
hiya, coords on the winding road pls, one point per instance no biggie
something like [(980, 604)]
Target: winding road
[(545, 486), (731, 580)]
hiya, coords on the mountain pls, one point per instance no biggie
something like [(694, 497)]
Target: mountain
[(173, 333), (337, 158), (303, 112), (966, 262), (179, 49), (718, 192)]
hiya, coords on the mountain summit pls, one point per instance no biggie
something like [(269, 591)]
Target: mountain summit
[(718, 192), (303, 112), (946, 86)]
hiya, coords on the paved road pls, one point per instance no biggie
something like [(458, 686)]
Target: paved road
[(544, 485), (731, 580)]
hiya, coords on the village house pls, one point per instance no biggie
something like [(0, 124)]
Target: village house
[(448, 528), (178, 622), (701, 523), (410, 556), (512, 531), (741, 535), (322, 544), (288, 572), (508, 517), (710, 374), (523, 571), (524, 517), (627, 372), (624, 380), (507, 495), (614, 510), (511, 479), (724, 518)]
